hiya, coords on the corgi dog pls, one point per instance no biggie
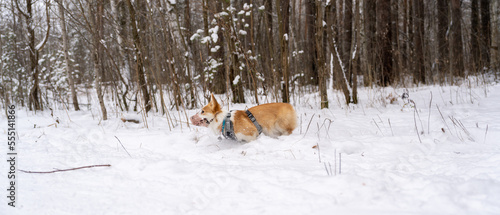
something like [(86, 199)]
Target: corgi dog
[(273, 119)]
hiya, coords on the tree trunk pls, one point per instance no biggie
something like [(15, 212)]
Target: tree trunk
[(474, 37), (269, 53), (310, 69), (69, 70), (139, 58), (34, 101), (96, 26), (395, 40), (284, 29), (347, 36), (384, 45), (418, 41), (457, 63), (320, 54), (220, 79), (370, 30), (235, 77), (485, 33), (443, 45)]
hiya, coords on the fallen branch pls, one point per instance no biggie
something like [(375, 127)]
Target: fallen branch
[(123, 146), (62, 170)]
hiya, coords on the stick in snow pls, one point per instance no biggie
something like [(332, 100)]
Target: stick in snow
[(340, 163), (62, 170), (123, 146), (485, 133)]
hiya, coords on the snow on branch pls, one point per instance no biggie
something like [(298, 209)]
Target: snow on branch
[(343, 69)]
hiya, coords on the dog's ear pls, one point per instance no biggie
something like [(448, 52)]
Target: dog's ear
[(213, 102)]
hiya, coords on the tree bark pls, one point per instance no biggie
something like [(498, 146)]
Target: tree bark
[(418, 41), (443, 45), (384, 50), (284, 31), (457, 65), (311, 68), (96, 25), (319, 33), (485, 33), (474, 37), (220, 79), (370, 30), (139, 58), (69, 70), (34, 101)]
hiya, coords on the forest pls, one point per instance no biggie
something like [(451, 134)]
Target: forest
[(160, 55)]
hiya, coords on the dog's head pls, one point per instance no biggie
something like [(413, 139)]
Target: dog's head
[(207, 114)]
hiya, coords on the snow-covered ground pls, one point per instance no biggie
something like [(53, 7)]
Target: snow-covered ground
[(363, 159)]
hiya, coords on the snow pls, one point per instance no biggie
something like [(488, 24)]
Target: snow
[(214, 35), (242, 32), (343, 69), (215, 49), (262, 7), (205, 39), (223, 13), (384, 167), (195, 36), (236, 79)]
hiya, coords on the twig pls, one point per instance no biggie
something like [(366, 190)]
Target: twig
[(326, 129), (123, 146), (415, 120), (418, 115), (330, 165), (442, 117), (335, 164), (319, 151), (328, 173), (340, 163), (62, 170), (378, 127), (429, 120), (309, 124), (390, 126), (485, 133)]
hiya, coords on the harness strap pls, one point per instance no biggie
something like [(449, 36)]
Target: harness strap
[(227, 128), (254, 121)]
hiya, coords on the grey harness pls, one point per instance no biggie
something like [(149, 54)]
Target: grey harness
[(228, 127)]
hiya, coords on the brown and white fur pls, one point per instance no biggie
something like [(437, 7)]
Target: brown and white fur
[(276, 119)]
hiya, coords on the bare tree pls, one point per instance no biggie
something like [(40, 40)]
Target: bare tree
[(418, 40), (320, 60), (370, 30), (384, 50), (69, 70), (139, 58), (485, 32), (284, 31), (457, 64), (443, 45), (475, 49), (34, 101), (95, 26)]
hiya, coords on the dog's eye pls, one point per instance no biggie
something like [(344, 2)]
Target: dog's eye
[(202, 111)]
